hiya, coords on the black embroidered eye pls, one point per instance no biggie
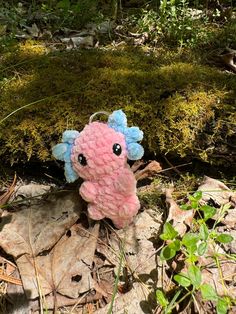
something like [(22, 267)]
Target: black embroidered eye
[(117, 149), (82, 160)]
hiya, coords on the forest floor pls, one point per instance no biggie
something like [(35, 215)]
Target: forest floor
[(179, 254)]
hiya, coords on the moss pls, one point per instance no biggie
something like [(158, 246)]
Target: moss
[(184, 109)]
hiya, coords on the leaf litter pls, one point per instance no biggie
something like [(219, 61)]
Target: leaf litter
[(63, 261)]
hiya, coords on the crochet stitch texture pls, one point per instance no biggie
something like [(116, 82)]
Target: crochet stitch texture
[(99, 155)]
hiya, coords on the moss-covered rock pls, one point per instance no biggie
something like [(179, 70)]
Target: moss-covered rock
[(184, 109)]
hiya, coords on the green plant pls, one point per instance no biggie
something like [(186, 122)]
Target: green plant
[(13, 17), (50, 15), (69, 13), (174, 23), (200, 242)]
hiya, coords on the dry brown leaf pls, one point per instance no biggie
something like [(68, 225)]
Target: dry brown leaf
[(216, 191), (17, 301), (78, 42), (7, 265), (137, 164), (221, 277), (181, 218), (138, 245), (38, 227), (34, 230), (66, 269), (151, 169), (61, 301), (212, 277), (232, 245), (31, 190), (230, 218), (227, 57), (132, 302)]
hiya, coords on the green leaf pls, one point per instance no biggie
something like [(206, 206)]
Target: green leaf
[(161, 299), (182, 280), (197, 195), (194, 274), (190, 238), (221, 306), (203, 231), (175, 245), (185, 207), (192, 258), (167, 253), (224, 238), (208, 211), (191, 198), (213, 234), (202, 248), (169, 233), (63, 4), (194, 204), (190, 241), (208, 292)]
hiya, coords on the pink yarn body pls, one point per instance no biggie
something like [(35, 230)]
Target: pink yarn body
[(110, 186)]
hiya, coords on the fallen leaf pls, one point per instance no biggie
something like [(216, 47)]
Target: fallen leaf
[(31, 190), (215, 191), (105, 27), (38, 227), (78, 42), (212, 277), (8, 266), (35, 229), (151, 169), (227, 57), (232, 245), (230, 218), (141, 40), (180, 218), (17, 301), (131, 302), (137, 164), (61, 301), (138, 246), (218, 277), (66, 269), (33, 30)]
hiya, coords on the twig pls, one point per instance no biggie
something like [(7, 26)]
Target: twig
[(5, 197), (173, 167), (10, 279), (79, 301), (167, 169)]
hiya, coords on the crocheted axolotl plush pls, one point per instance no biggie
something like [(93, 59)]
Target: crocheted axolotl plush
[(99, 155)]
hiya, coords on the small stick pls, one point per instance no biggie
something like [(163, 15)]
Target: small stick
[(173, 167), (10, 279)]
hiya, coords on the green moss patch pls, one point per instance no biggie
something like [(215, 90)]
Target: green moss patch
[(184, 109)]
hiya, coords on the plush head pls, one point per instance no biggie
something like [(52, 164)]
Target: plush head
[(99, 149)]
